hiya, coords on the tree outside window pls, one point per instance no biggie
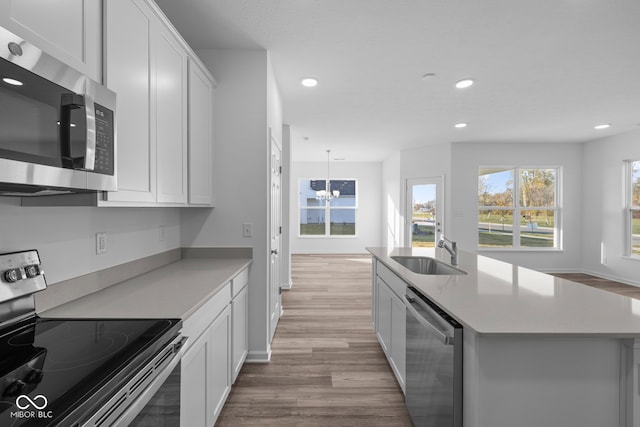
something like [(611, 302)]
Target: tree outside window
[(335, 217), (518, 207)]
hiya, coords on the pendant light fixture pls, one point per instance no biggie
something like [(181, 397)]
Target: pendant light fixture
[(328, 194)]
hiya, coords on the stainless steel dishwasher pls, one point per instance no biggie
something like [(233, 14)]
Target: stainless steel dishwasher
[(434, 364)]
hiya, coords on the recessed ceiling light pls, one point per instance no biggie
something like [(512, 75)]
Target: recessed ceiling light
[(602, 126), (464, 83), (309, 82), (428, 76), (13, 82), (460, 125)]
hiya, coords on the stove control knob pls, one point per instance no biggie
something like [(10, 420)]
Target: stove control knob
[(31, 271), (15, 388), (12, 275)]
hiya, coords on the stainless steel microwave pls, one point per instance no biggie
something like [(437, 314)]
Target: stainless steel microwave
[(57, 126)]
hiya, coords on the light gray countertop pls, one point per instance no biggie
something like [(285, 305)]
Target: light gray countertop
[(176, 290), (496, 297)]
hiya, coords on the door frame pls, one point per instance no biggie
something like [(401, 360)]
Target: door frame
[(275, 235), (438, 181)]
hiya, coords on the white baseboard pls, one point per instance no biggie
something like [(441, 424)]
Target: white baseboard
[(287, 285), (258, 356)]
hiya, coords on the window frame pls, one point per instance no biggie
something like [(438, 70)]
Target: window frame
[(327, 210), (517, 210), (629, 209)]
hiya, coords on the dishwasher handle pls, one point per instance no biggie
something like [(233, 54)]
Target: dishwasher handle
[(444, 335)]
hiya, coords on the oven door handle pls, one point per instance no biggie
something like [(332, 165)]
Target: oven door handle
[(134, 408)]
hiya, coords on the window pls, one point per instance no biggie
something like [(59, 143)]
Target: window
[(518, 208), (336, 217), (633, 207)]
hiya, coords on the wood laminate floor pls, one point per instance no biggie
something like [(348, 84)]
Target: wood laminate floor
[(327, 368), (597, 282)]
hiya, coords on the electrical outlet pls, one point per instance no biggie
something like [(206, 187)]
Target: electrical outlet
[(101, 243), (161, 235), (247, 229)]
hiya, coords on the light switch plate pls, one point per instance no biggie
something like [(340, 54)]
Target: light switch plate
[(247, 229), (101, 243)]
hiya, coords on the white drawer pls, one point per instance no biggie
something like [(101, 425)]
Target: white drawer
[(239, 282), (397, 285), (198, 322)]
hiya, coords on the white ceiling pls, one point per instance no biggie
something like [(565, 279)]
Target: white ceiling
[(545, 70)]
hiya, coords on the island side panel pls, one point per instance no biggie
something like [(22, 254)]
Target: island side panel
[(542, 381)]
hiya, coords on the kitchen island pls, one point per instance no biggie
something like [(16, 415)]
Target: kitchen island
[(538, 350)]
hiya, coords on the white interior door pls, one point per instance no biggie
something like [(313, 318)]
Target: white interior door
[(275, 232), (424, 212)]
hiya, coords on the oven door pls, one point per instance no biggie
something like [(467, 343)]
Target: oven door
[(151, 397)]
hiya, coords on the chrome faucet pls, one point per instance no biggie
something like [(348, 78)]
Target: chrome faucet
[(452, 249)]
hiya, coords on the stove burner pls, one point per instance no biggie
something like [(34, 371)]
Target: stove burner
[(95, 350)]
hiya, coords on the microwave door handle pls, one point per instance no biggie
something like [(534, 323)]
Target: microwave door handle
[(71, 102), (90, 148)]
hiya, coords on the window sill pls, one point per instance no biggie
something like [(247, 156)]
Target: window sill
[(520, 250), (635, 258), (327, 237)]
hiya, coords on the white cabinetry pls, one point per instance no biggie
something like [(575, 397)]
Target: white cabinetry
[(390, 319), (216, 352), (149, 66), (201, 105), (194, 387), (69, 30), (129, 26), (239, 323), (171, 118)]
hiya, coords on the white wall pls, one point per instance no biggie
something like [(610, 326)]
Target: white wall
[(247, 104), (603, 217), (369, 215), (393, 212), (466, 158), (65, 236)]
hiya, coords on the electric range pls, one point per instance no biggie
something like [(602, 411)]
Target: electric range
[(74, 372)]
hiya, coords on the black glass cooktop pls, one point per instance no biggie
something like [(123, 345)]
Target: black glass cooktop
[(53, 370)]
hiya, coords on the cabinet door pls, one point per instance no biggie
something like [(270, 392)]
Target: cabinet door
[(220, 372), (239, 327), (398, 338), (194, 383), (171, 118), (201, 104), (384, 316), (129, 25), (66, 29)]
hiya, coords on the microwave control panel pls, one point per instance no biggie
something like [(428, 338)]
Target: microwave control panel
[(104, 141)]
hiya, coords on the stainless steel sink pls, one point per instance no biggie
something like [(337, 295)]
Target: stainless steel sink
[(426, 265)]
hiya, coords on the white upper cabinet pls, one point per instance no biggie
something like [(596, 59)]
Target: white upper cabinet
[(171, 118), (147, 65), (201, 105), (128, 27), (69, 30)]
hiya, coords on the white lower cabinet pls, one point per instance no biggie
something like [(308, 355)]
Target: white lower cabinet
[(390, 320), (194, 387), (220, 362), (217, 349), (205, 371), (240, 331)]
